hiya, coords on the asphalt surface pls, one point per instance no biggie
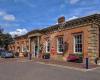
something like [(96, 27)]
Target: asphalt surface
[(35, 71)]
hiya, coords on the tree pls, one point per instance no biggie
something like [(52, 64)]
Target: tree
[(1, 37), (5, 39)]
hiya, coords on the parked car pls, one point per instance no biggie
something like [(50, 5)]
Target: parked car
[(1, 50), (75, 58), (6, 54), (72, 58)]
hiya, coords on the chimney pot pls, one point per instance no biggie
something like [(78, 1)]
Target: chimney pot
[(61, 20)]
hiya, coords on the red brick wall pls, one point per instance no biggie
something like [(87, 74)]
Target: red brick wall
[(68, 37), (19, 42)]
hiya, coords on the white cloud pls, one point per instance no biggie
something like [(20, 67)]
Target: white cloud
[(71, 18), (9, 17), (15, 1), (62, 6), (2, 13), (26, 2), (29, 3), (19, 32), (9, 25), (72, 1)]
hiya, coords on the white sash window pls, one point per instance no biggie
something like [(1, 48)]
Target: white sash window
[(60, 45), (78, 43), (48, 46)]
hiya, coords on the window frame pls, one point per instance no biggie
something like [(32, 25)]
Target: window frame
[(22, 46), (59, 52), (77, 34), (47, 42)]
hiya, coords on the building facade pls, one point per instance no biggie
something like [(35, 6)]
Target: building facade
[(81, 35), (20, 45)]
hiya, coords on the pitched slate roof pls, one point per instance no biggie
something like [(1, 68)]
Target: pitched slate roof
[(22, 36), (34, 31), (67, 24), (74, 22)]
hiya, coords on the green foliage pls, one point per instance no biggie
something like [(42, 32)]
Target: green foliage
[(46, 56), (79, 54), (5, 39), (1, 30)]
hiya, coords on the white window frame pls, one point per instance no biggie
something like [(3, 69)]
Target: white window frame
[(81, 41), (22, 46), (47, 43), (59, 52), (18, 49)]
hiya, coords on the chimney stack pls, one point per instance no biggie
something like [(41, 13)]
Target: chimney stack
[(61, 20)]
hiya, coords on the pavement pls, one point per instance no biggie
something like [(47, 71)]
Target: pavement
[(16, 69), (70, 65), (13, 60)]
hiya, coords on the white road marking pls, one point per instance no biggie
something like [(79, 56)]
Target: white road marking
[(68, 67)]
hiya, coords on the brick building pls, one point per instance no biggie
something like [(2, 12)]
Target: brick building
[(20, 45), (81, 35)]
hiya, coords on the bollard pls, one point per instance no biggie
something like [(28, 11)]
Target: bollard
[(96, 60), (30, 56), (87, 63)]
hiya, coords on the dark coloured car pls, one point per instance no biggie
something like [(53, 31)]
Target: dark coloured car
[(6, 54), (1, 50)]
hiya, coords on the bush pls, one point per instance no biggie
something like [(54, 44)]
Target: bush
[(25, 54), (80, 55), (46, 56), (16, 54)]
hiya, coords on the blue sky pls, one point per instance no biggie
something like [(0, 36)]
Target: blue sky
[(25, 15)]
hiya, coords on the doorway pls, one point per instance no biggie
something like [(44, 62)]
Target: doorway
[(35, 49)]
